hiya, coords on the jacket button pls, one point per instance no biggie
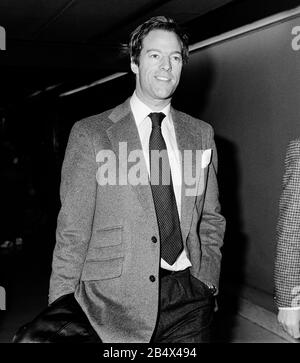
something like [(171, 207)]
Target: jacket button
[(154, 239), (152, 278)]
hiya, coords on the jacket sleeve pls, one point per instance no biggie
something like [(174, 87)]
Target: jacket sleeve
[(212, 223), (287, 259), (74, 224)]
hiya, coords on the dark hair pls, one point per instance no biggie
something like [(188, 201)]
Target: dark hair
[(158, 22)]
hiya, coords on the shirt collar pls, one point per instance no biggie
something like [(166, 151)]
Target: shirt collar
[(141, 111)]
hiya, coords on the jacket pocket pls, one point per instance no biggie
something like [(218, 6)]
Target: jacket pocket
[(102, 269), (109, 236)]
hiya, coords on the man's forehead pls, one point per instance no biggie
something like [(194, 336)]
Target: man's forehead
[(159, 38)]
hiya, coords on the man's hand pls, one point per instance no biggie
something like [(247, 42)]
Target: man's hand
[(289, 319)]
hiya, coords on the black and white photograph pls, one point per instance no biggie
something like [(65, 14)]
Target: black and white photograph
[(150, 174)]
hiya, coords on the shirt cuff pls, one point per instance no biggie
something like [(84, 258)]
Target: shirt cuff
[(290, 308)]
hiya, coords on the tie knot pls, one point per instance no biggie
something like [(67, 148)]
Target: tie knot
[(156, 118)]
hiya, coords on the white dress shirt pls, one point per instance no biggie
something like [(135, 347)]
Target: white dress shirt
[(144, 125)]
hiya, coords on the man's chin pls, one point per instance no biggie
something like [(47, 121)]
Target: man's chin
[(164, 94)]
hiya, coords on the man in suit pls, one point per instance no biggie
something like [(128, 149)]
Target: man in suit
[(287, 261), (138, 247)]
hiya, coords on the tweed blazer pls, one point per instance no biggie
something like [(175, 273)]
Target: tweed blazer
[(105, 251), (287, 260)]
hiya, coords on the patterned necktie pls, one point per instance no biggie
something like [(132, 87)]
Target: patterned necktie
[(163, 193)]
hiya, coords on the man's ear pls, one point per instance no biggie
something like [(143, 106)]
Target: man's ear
[(134, 66)]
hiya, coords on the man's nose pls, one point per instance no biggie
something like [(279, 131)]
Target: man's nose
[(166, 64)]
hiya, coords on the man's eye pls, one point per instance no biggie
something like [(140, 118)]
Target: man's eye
[(154, 56), (176, 58)]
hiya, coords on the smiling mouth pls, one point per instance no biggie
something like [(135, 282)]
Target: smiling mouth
[(164, 79)]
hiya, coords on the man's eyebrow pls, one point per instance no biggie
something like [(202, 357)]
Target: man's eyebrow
[(153, 50), (160, 51)]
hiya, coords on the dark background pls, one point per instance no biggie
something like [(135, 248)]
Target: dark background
[(246, 87)]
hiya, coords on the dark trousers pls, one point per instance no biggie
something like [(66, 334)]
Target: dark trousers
[(185, 316), (186, 310)]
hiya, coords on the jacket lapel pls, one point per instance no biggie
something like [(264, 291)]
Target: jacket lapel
[(124, 131), (187, 143)]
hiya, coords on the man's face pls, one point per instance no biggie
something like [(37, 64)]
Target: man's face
[(159, 69)]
